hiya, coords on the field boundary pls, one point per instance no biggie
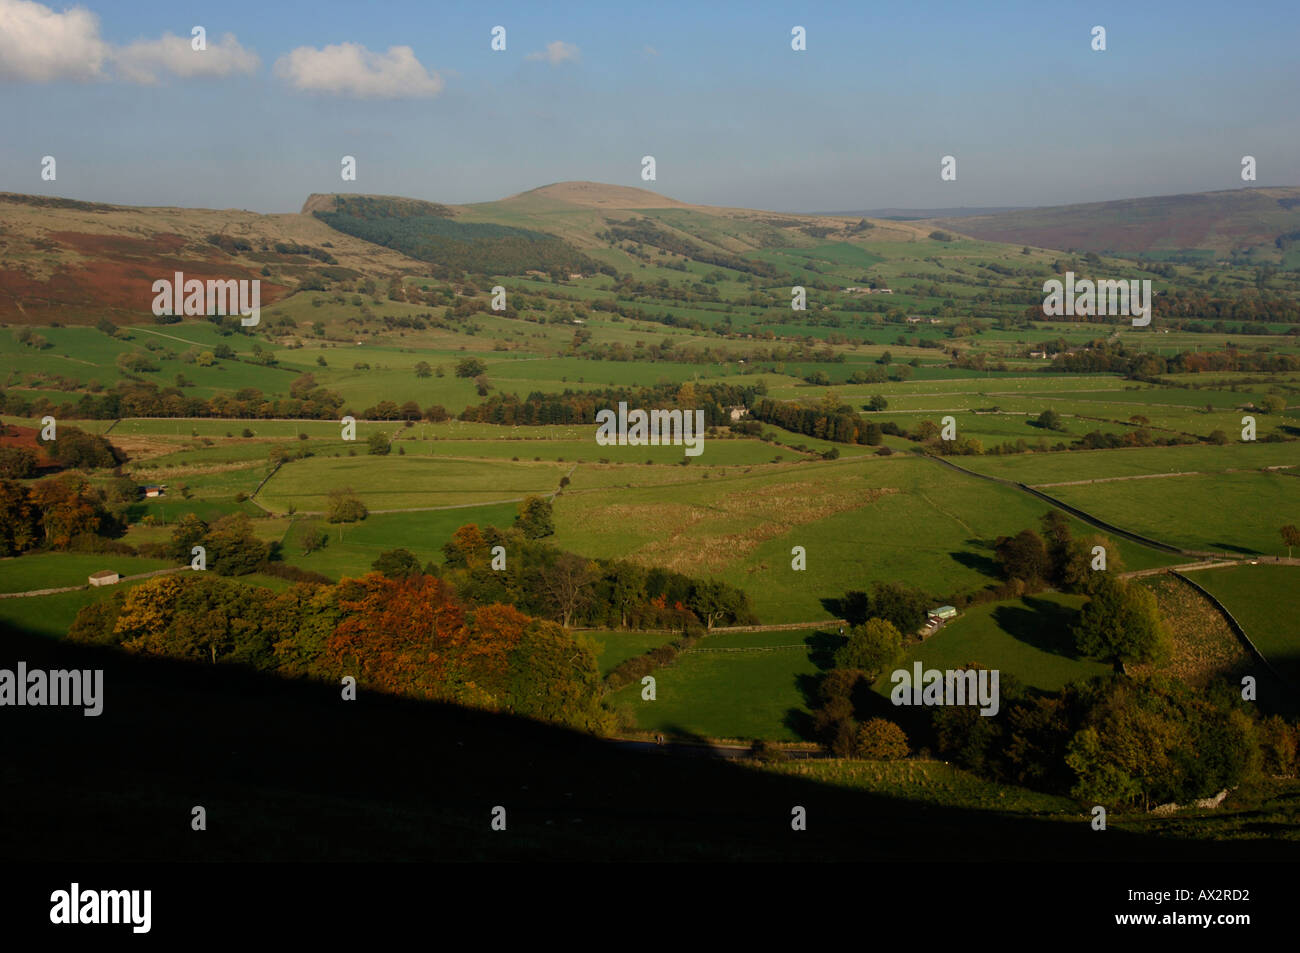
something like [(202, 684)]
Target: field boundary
[(1237, 628), (1083, 515)]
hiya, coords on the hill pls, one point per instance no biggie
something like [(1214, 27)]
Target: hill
[(1200, 225), (77, 262)]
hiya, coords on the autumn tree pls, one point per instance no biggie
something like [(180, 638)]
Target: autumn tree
[(344, 506), (881, 740), (1290, 537), (535, 518)]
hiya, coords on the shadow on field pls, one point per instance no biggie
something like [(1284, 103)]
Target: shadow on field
[(1044, 624), (1231, 548), (287, 770), (981, 564)]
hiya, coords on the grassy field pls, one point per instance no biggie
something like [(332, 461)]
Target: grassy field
[(352, 547), (54, 570), (406, 482), (1253, 594), (614, 647), (757, 692), (1028, 638), (1233, 512), (928, 781), (865, 520)]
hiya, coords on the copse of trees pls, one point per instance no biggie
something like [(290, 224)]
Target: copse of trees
[(900, 605), (830, 420), (62, 512), (231, 548), (547, 582), (407, 636), (142, 399), (1056, 557), (580, 407)]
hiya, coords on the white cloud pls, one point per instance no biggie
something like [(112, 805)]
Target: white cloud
[(40, 45), (352, 70), (143, 60), (649, 50), (556, 53)]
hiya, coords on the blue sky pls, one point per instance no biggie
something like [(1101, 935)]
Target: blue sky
[(732, 115)]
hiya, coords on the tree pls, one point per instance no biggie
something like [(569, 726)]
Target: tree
[(1272, 404), (19, 519), (344, 506), (378, 444), (1078, 574), (1121, 622), (396, 563), (422, 369), (232, 549), (881, 740), (535, 518), (470, 367), (1050, 420), (627, 582), (872, 648), (878, 402), (69, 507), (311, 538), (567, 583), (1291, 537), (1023, 556), (898, 604), (17, 463), (714, 601), (189, 532)]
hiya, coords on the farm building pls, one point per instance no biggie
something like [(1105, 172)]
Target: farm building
[(735, 413), (942, 612), (153, 490), (913, 319), (105, 577)]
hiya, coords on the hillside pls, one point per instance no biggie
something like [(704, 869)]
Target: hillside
[(1205, 224), (78, 262)]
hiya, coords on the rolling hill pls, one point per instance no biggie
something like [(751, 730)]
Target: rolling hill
[(1213, 224)]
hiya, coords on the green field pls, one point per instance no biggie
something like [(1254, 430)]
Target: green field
[(857, 519), (55, 570), (1253, 594), (395, 482), (1028, 638), (740, 693)]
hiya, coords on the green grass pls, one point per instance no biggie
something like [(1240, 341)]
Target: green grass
[(54, 570), (860, 521), (1256, 595), (935, 782), (352, 547), (614, 647), (1233, 512), (754, 693), (406, 482), (1028, 638)]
